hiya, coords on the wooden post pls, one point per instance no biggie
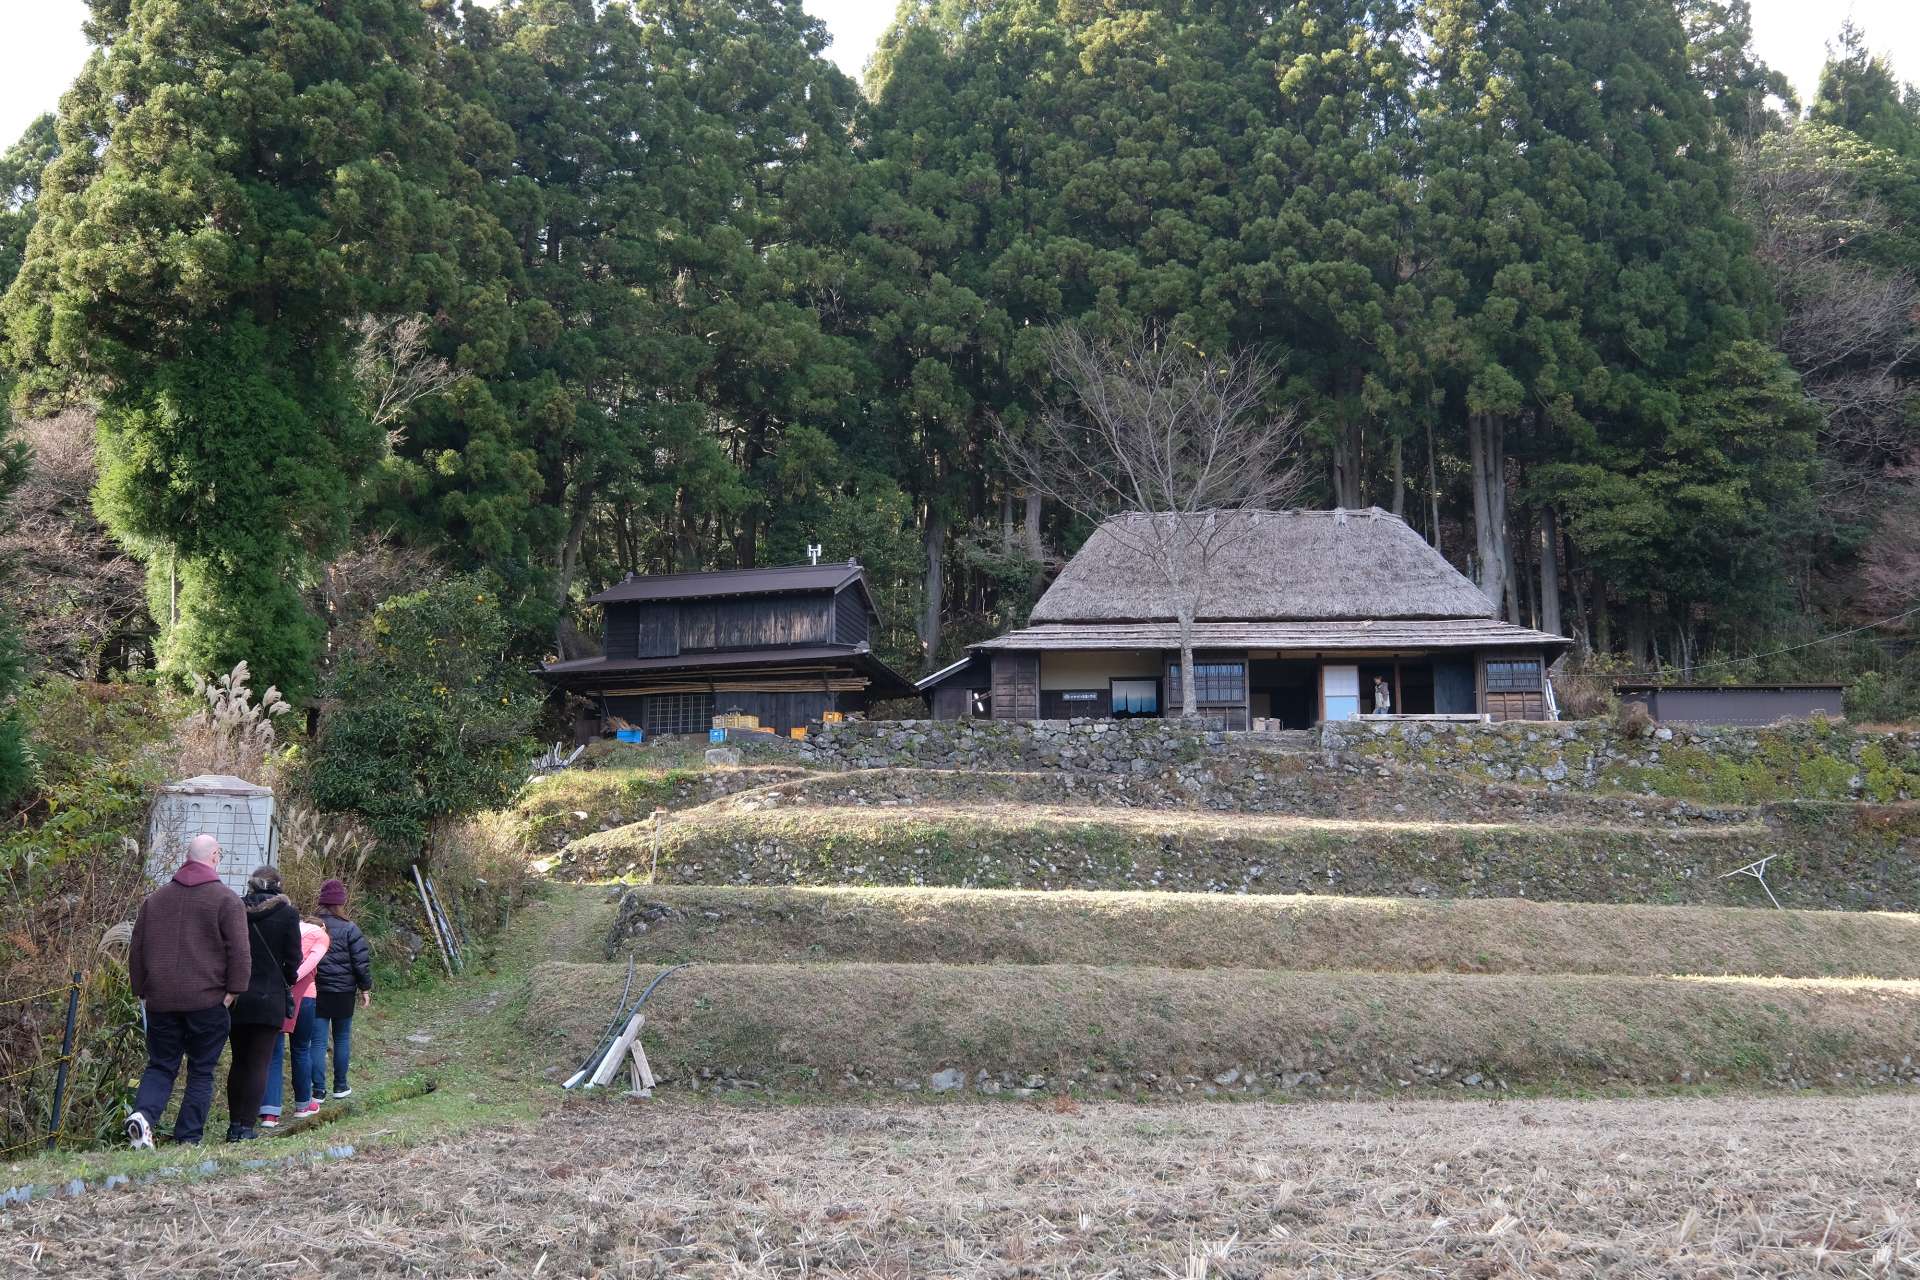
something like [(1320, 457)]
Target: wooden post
[(1399, 701), (66, 1060), (433, 926)]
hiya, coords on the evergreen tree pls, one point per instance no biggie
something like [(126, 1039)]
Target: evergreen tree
[(1860, 93), (16, 769), (236, 182), (20, 168)]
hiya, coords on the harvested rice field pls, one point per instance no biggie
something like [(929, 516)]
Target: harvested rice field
[(1706, 1187)]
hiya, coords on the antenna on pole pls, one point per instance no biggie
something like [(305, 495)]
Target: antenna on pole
[(813, 553)]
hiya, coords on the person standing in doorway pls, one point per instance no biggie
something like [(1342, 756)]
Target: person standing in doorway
[(273, 926), (189, 960), (1382, 697), (347, 969)]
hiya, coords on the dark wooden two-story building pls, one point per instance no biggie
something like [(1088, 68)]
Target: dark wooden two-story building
[(784, 644)]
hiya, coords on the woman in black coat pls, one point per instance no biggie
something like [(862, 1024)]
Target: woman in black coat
[(273, 930), (346, 970)]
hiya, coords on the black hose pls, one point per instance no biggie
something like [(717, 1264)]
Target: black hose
[(613, 1028), (627, 1017)]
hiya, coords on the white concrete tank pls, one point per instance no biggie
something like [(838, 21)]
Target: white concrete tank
[(233, 811)]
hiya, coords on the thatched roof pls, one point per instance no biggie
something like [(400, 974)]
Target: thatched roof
[(1406, 635), (1273, 566)]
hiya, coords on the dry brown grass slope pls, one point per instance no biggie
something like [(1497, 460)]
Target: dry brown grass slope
[(671, 923), (801, 1026), (1777, 1187)]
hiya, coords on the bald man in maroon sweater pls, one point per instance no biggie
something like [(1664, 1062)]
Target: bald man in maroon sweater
[(188, 961)]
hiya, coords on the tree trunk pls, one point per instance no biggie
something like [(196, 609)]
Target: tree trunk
[(563, 579), (1030, 529), (1189, 692), (1638, 634), (1486, 451), (936, 544), (1549, 571), (1521, 547), (1349, 489), (1399, 477), (1602, 615), (1433, 489)]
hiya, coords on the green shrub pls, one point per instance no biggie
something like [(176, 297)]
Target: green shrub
[(429, 718)]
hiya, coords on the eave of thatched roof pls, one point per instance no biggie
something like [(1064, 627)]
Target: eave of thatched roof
[(1274, 565), (1398, 635)]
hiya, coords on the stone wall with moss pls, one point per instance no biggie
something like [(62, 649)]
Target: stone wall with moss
[(1720, 765), (1826, 856), (1088, 746)]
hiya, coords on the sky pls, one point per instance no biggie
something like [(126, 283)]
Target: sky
[(41, 46)]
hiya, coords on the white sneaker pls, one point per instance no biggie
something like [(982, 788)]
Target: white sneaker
[(139, 1132), (343, 1093)]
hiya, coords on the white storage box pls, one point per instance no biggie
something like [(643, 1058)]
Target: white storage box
[(232, 810)]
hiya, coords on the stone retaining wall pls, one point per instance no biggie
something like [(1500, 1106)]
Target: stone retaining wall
[(1091, 746), (1727, 765)]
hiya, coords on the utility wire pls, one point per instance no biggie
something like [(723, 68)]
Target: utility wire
[(1794, 648)]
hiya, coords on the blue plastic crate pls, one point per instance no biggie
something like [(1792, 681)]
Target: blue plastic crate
[(630, 735)]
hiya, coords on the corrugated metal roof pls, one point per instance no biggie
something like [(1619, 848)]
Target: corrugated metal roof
[(928, 681), (775, 580), (1391, 633)]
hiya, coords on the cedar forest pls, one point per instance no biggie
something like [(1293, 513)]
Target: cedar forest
[(306, 301)]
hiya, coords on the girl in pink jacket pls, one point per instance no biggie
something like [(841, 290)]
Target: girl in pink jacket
[(313, 948)]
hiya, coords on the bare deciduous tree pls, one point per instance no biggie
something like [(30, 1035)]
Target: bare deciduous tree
[(1850, 329), (79, 599), (1152, 427), (396, 369)]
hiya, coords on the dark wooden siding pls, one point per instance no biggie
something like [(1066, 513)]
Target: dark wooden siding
[(657, 631), (621, 639), (1738, 705), (851, 624), (1016, 686), (708, 625), (1453, 687), (781, 712), (693, 711), (953, 702)]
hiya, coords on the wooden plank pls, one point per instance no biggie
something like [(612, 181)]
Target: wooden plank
[(617, 1055)]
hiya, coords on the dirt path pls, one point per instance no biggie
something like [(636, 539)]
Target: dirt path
[(1701, 1187)]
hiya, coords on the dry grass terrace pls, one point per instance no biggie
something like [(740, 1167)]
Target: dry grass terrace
[(1707, 1187)]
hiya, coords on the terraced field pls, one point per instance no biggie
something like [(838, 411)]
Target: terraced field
[(959, 932)]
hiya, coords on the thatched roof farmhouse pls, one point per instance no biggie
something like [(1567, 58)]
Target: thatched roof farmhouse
[(1302, 616)]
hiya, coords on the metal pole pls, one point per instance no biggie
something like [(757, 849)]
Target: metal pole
[(66, 1060)]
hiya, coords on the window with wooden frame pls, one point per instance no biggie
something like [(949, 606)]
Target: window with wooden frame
[(1513, 689), (670, 713), (1214, 683)]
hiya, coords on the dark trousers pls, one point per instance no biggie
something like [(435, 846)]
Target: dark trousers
[(247, 1074), (198, 1037)]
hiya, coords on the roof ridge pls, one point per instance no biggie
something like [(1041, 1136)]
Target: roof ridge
[(1331, 513)]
